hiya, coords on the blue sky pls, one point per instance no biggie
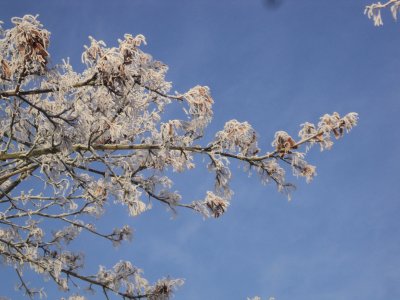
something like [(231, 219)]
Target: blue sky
[(339, 238)]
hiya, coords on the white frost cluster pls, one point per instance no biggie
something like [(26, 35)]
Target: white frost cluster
[(237, 136), (373, 11)]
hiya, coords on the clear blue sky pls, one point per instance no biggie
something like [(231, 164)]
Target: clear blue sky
[(339, 238)]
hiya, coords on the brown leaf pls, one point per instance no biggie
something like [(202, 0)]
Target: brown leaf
[(5, 69)]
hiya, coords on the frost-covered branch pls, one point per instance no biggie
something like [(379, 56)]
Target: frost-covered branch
[(100, 136), (373, 11)]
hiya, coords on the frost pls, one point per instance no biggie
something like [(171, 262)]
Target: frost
[(86, 140)]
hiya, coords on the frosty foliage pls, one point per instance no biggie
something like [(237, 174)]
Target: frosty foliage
[(87, 139), (374, 11)]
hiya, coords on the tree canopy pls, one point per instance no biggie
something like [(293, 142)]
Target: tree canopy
[(83, 139)]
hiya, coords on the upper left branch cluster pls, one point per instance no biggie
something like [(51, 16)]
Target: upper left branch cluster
[(23, 48)]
